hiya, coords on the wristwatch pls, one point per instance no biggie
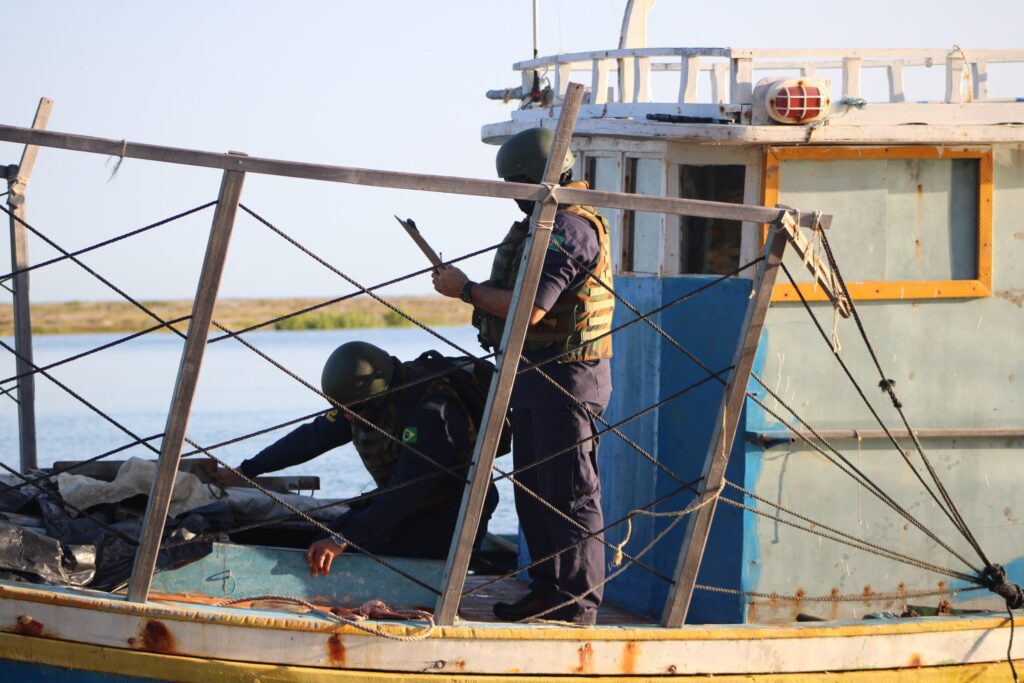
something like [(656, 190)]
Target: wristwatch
[(466, 294)]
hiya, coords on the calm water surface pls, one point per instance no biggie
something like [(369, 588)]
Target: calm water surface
[(239, 392)]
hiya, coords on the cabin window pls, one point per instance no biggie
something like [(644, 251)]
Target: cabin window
[(710, 245), (641, 230), (908, 222)]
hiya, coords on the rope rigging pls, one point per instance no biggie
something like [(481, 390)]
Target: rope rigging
[(992, 577)]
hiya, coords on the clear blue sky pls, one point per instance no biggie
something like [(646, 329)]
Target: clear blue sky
[(392, 85)]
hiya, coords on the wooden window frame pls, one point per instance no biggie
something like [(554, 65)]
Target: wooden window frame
[(906, 289)]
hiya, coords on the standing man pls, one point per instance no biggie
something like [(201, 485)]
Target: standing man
[(570, 314), (437, 415)]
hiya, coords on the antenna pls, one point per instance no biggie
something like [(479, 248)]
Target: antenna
[(536, 29)]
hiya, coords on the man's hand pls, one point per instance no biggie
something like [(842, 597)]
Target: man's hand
[(320, 556), (449, 280)]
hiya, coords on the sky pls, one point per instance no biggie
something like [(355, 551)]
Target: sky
[(396, 85)]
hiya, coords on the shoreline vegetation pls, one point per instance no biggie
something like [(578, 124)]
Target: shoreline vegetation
[(86, 317)]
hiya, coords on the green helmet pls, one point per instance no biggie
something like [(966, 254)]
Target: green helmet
[(356, 371), (526, 154)]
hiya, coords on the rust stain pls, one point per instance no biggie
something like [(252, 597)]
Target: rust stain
[(27, 626), (586, 659), (944, 609), (1008, 513), (629, 658), (459, 665), (336, 650), (1018, 235), (868, 595), (155, 638), (798, 602), (833, 609), (1014, 296), (915, 661), (1013, 377)]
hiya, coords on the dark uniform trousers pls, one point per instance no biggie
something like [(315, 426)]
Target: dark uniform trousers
[(570, 483)]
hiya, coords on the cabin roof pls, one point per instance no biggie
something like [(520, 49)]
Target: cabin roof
[(720, 95)]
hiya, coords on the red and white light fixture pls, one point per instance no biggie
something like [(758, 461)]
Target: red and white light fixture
[(798, 100)]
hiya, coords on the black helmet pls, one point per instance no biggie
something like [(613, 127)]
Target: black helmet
[(356, 371)]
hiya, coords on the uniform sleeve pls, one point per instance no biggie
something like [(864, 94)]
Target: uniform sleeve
[(438, 430), (560, 272), (327, 431)]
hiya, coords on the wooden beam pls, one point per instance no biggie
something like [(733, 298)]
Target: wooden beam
[(509, 351), (403, 181), (599, 82), (820, 271), (717, 458), (185, 386), (17, 184)]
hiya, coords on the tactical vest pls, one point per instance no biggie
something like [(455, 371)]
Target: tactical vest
[(577, 317), (380, 453)]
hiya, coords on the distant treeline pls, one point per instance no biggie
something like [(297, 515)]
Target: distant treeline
[(76, 317)]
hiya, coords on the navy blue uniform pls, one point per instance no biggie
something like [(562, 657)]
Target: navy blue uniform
[(546, 421), (416, 520)]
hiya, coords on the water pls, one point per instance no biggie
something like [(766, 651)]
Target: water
[(238, 393)]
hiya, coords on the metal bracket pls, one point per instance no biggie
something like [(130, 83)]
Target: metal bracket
[(822, 273)]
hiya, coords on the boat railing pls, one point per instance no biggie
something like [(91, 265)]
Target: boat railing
[(732, 73), (785, 229)]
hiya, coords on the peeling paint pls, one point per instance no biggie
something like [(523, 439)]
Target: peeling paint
[(27, 626)]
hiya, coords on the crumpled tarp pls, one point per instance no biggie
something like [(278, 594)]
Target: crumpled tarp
[(248, 504), (133, 478), (115, 544), (27, 554)]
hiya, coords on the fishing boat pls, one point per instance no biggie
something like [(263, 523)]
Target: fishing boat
[(808, 465)]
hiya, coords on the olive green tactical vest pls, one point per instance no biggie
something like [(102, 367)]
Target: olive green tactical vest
[(380, 453), (577, 318)]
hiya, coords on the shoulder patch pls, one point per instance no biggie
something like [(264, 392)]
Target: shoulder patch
[(331, 415), (556, 242), (409, 435)]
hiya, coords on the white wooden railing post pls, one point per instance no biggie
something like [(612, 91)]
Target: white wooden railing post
[(599, 82), (689, 73), (719, 74), (741, 74), (954, 78), (895, 73), (851, 77), (979, 74)]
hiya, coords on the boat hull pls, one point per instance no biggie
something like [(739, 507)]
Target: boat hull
[(90, 634)]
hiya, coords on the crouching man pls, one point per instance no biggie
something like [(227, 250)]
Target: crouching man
[(406, 438)]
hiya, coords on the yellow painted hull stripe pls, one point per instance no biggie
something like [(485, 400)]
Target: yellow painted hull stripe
[(107, 660)]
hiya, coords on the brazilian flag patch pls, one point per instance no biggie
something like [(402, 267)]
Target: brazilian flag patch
[(556, 242), (409, 435)]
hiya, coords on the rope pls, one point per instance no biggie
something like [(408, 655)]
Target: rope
[(97, 349), (414, 614), (874, 413), (841, 536), (586, 538), (887, 385), (371, 288), (881, 597), (104, 243), (692, 507)]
